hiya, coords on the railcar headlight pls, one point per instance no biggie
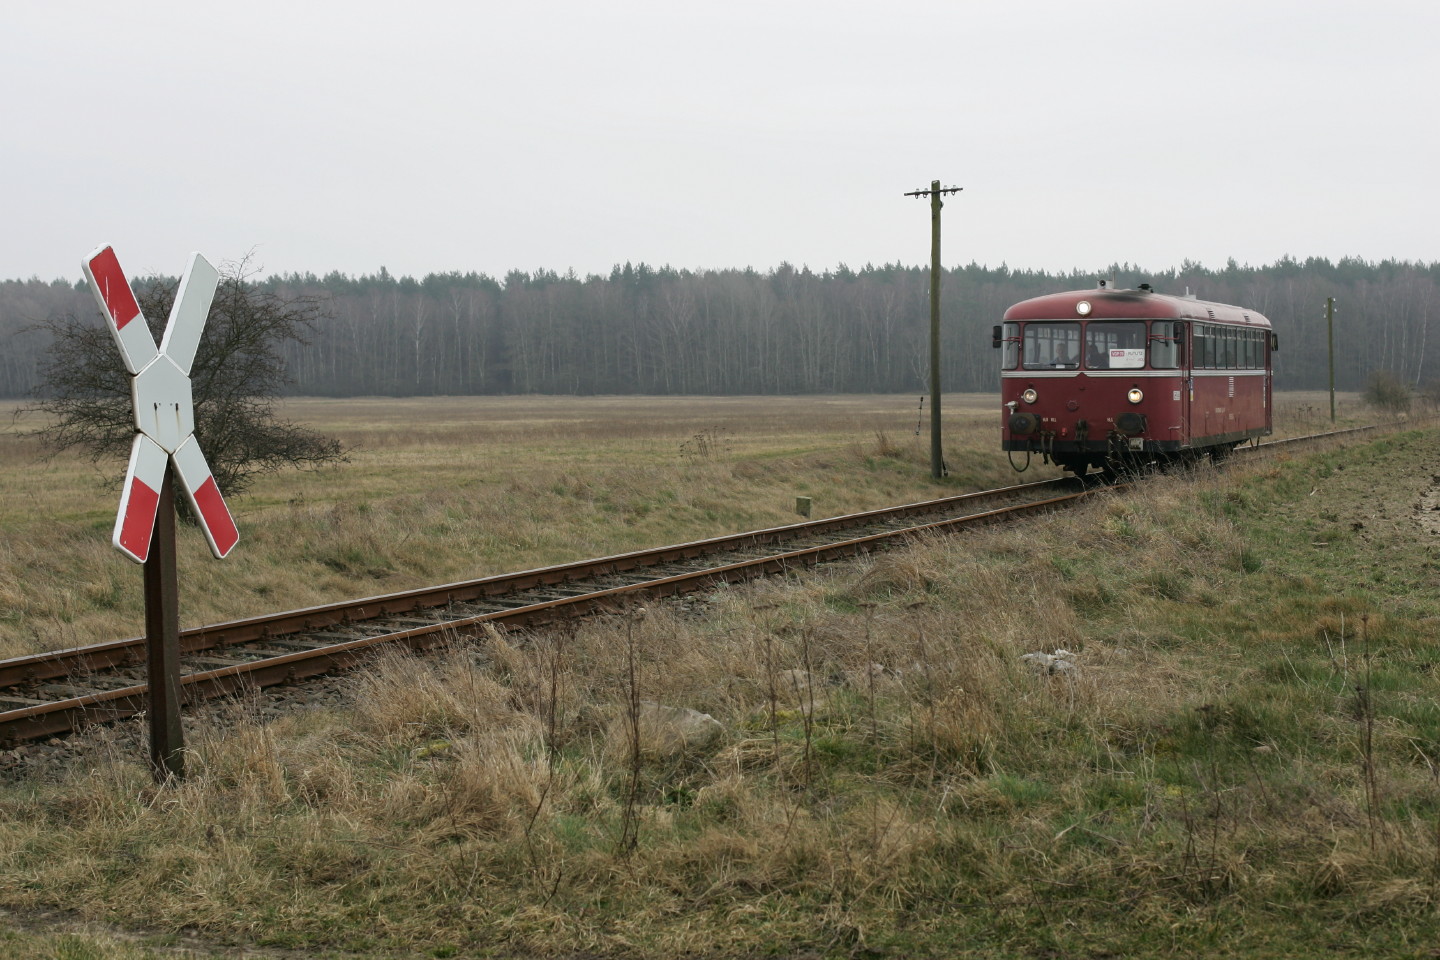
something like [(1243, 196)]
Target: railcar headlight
[(1135, 395), (1083, 308), (1030, 396)]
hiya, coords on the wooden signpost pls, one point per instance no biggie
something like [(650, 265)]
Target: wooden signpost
[(164, 449)]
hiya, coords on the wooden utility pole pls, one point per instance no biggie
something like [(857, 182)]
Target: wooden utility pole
[(1330, 336), (937, 459)]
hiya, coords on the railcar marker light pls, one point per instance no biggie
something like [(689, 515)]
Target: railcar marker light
[(1134, 396), (1030, 396)]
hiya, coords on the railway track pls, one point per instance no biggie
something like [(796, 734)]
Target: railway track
[(52, 693)]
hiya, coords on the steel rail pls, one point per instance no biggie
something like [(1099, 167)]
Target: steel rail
[(103, 656), (60, 716), (49, 718)]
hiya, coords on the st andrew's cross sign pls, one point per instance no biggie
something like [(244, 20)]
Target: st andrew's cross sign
[(164, 409), (164, 448)]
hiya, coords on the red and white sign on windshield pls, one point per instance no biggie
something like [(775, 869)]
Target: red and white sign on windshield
[(164, 409)]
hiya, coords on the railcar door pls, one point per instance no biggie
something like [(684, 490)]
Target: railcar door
[(1272, 343), (1185, 384), (1168, 352)]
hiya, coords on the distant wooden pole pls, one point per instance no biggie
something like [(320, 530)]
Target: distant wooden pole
[(937, 459), (162, 640), (1330, 336)]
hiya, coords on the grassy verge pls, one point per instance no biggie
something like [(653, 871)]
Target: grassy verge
[(1242, 761)]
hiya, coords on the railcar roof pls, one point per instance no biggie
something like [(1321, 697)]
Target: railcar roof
[(1108, 304)]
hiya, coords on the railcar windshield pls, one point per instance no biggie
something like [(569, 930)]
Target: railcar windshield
[(1050, 346), (1115, 346), (1010, 340)]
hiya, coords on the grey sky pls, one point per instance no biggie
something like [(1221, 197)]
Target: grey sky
[(483, 136)]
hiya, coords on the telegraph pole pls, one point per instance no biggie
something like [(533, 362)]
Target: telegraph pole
[(937, 460), (1330, 335)]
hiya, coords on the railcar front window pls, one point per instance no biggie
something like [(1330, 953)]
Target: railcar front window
[(1010, 341), (1164, 345), (1051, 346), (1115, 346)]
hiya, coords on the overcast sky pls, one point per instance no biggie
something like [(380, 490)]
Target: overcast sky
[(428, 137)]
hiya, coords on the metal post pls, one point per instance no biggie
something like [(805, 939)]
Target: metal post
[(937, 459), (162, 640), (1330, 334)]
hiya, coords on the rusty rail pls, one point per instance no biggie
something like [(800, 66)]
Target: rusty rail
[(39, 719)]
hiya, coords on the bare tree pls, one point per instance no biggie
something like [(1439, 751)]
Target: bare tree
[(236, 379)]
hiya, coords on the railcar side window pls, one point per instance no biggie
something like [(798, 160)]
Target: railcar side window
[(1051, 346), (1010, 344), (1164, 352), (1224, 348)]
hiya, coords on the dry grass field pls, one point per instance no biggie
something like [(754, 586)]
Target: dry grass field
[(1244, 759), (454, 488), (444, 489)]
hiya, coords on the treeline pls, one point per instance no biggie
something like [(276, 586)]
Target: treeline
[(645, 330)]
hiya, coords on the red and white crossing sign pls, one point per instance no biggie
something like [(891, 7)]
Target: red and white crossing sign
[(164, 408)]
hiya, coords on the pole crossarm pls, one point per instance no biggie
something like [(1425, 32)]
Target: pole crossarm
[(934, 190)]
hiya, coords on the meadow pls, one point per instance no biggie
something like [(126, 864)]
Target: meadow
[(443, 489), (1243, 759), (446, 489)]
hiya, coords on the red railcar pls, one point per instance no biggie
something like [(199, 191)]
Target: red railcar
[(1110, 378)]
